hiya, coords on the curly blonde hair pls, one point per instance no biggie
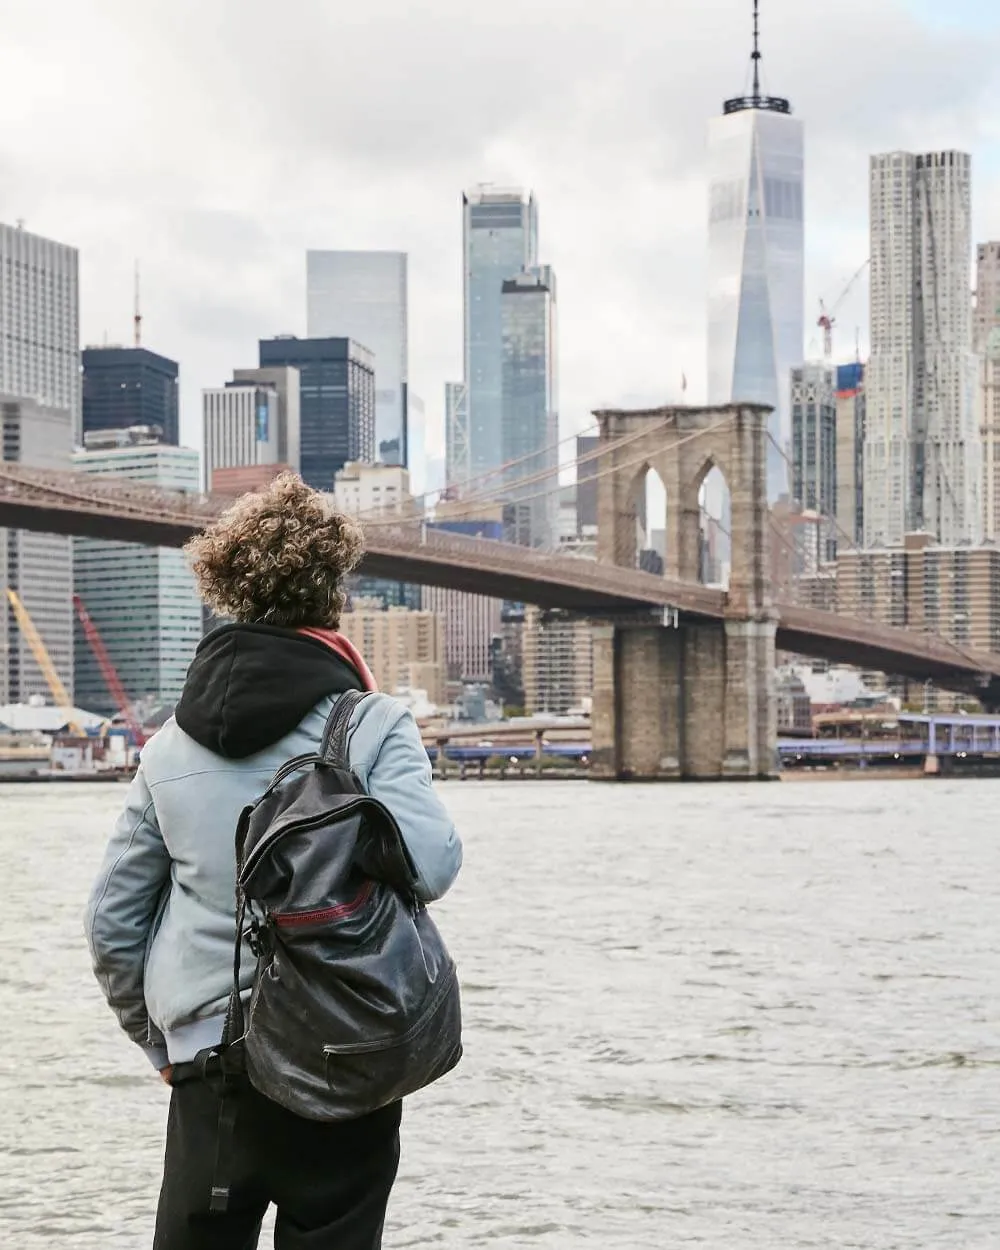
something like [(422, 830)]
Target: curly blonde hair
[(278, 557)]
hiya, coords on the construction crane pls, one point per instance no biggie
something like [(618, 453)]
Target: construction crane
[(828, 319), (108, 671), (26, 625)]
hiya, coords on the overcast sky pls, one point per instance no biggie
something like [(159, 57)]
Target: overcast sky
[(217, 140)]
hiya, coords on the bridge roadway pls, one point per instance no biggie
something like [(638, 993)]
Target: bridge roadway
[(70, 503)]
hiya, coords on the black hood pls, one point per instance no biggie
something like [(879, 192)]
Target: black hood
[(249, 685)]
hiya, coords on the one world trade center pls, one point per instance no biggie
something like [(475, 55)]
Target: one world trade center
[(755, 260)]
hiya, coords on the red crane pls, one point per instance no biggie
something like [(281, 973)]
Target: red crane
[(109, 672), (828, 319)]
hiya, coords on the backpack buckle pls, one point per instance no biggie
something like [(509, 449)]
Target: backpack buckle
[(253, 938)]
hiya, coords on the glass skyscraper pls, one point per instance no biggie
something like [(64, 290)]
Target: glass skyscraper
[(142, 599), (363, 296), (336, 402), (756, 319), (500, 239), (529, 421), (129, 386)]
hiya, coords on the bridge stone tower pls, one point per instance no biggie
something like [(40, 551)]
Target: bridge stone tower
[(695, 698)]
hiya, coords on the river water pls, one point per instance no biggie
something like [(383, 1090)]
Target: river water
[(718, 1016)]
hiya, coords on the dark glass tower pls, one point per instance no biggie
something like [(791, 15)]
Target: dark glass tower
[(125, 386), (336, 402)]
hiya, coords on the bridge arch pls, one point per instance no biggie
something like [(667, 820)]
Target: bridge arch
[(649, 502), (687, 697), (684, 446)]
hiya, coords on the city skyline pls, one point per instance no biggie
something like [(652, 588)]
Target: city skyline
[(221, 241)]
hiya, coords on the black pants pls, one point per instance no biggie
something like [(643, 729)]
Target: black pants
[(329, 1182)]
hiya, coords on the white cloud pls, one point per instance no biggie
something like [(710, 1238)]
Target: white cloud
[(219, 141)]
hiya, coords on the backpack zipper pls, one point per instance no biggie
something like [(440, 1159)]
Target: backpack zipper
[(289, 919)]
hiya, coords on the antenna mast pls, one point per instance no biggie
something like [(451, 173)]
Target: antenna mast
[(137, 318), (755, 56)]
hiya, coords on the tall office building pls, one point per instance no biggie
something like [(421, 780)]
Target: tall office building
[(923, 455), (143, 600), (126, 387), (500, 240), (458, 456), (363, 296), (37, 567), (336, 402), (586, 483), (240, 427), (756, 319), (529, 429), (284, 379), (814, 453), (416, 442), (989, 428), (40, 321), (850, 453), (987, 316)]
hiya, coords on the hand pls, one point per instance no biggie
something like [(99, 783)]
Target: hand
[(166, 1073)]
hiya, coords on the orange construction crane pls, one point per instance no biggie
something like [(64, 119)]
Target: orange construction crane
[(26, 625), (109, 672), (827, 320)]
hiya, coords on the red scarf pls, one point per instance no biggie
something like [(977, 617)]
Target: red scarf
[(346, 650)]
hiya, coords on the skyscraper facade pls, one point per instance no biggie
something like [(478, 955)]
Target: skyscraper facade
[(989, 428), (284, 379), (458, 461), (756, 318), (363, 296), (336, 398), (586, 483), (987, 316), (37, 567), (850, 453), (529, 420), (143, 600), (241, 427), (40, 321), (814, 451), (130, 386), (923, 454), (500, 240)]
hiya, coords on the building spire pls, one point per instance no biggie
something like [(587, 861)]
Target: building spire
[(770, 104), (137, 315)]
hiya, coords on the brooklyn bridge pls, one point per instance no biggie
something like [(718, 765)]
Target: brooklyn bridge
[(684, 673)]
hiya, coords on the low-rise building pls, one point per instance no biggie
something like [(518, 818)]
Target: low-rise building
[(370, 489), (953, 592)]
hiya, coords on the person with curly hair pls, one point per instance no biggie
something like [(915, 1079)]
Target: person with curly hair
[(161, 918)]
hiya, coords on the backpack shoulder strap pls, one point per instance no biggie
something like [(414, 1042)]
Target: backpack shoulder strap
[(334, 748)]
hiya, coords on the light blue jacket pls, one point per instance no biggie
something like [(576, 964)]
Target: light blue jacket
[(161, 917)]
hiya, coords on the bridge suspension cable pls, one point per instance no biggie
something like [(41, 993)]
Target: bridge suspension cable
[(510, 464), (498, 493), (384, 521)]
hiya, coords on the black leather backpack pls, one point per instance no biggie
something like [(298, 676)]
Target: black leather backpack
[(355, 1000)]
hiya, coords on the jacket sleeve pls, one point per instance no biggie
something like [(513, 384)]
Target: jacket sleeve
[(121, 912), (399, 775)]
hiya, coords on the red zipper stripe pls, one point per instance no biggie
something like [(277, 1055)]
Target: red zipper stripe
[(288, 919)]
